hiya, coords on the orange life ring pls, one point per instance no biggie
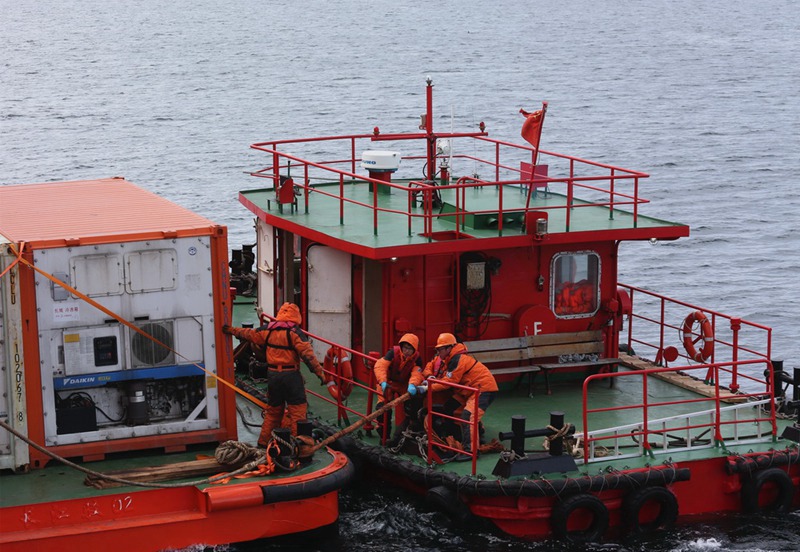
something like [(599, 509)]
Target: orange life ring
[(331, 364), (706, 333)]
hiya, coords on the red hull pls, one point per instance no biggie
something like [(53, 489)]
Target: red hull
[(711, 490), (171, 518)]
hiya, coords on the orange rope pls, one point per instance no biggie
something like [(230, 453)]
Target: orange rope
[(121, 320), (18, 259)]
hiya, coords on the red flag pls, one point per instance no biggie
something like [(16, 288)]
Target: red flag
[(532, 127)]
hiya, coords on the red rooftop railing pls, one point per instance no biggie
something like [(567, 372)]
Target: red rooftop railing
[(612, 187)]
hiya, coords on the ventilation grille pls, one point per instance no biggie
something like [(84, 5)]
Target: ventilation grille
[(146, 351)]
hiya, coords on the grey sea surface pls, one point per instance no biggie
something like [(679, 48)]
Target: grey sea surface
[(703, 96)]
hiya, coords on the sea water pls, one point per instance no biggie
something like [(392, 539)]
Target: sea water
[(703, 96)]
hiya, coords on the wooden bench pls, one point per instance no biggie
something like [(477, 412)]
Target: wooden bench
[(530, 352)]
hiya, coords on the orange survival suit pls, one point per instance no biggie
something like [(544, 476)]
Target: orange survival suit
[(463, 369), (285, 345), (395, 369)]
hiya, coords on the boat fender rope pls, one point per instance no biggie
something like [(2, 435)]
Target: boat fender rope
[(639, 500), (781, 498)]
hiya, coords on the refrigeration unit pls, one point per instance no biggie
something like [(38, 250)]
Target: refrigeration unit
[(120, 294)]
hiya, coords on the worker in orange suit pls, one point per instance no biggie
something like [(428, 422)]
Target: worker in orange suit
[(453, 364), (392, 373), (285, 345)]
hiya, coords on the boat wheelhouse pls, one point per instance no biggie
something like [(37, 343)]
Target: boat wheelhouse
[(671, 407)]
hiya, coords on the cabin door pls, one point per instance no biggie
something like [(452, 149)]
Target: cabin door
[(265, 270), (330, 300)]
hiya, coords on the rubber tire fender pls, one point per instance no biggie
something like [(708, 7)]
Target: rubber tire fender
[(447, 501), (562, 510), (634, 501), (752, 486)]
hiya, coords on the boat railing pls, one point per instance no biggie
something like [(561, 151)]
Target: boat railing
[(702, 422), (340, 380), (655, 330), (436, 444), (605, 185)]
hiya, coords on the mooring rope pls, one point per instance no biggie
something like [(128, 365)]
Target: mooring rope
[(250, 466), (361, 422)]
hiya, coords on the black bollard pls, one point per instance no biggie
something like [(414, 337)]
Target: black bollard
[(304, 427), (526, 464), (557, 445), (283, 435), (518, 435)]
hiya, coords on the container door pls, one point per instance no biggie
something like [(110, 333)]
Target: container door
[(13, 452), (329, 296)]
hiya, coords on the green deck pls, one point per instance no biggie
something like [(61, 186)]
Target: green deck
[(565, 397), (357, 226)]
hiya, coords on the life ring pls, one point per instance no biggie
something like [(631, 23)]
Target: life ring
[(579, 518), (331, 364), (649, 510), (706, 332), (767, 490)]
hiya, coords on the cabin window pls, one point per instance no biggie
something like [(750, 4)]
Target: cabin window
[(575, 284)]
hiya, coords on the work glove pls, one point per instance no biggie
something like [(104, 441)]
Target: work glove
[(383, 387), (227, 329), (422, 389), (412, 389)]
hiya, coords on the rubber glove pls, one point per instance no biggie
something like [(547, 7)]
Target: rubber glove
[(412, 389), (383, 387)]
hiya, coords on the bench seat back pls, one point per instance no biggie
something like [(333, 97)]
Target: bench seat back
[(533, 347)]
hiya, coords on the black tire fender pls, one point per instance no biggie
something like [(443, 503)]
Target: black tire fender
[(754, 484), (447, 500), (635, 501), (564, 509)]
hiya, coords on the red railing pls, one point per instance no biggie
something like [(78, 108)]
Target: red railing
[(473, 424), (372, 393), (641, 429), (654, 316), (568, 175)]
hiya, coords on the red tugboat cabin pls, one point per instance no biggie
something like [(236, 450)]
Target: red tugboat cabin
[(380, 238)]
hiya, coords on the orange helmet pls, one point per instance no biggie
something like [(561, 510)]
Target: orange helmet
[(445, 339)]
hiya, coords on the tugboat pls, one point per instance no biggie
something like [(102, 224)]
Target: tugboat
[(118, 411), (619, 409)]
